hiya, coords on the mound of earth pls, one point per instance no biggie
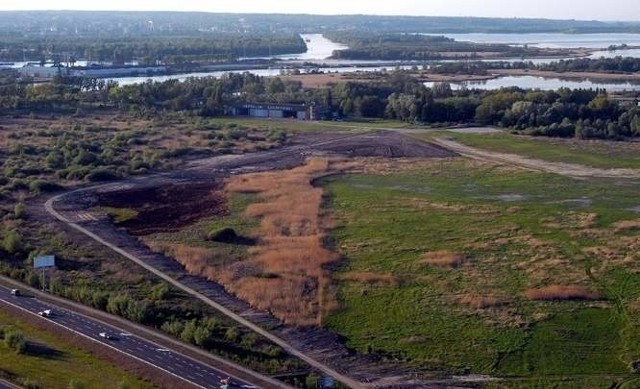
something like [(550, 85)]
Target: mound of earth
[(166, 208), (385, 144)]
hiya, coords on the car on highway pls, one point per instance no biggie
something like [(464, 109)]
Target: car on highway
[(15, 292), (106, 335), (46, 313)]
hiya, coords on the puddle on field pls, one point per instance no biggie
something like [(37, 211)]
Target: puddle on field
[(512, 197), (583, 201), (470, 187)]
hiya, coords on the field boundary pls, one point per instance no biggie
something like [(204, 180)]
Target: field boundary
[(565, 169)]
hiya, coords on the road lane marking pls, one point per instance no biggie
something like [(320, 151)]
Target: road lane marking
[(106, 345)]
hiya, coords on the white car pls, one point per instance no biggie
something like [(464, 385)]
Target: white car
[(106, 335), (46, 313)]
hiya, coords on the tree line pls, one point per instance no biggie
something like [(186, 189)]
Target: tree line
[(618, 64), (414, 47), (149, 49), (564, 112)]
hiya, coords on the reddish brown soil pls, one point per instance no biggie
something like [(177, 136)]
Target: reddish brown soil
[(166, 208)]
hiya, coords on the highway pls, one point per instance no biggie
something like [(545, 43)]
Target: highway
[(190, 370)]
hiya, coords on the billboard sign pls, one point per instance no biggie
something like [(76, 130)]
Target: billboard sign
[(44, 261)]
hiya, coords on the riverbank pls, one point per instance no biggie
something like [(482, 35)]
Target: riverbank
[(321, 80), (609, 77)]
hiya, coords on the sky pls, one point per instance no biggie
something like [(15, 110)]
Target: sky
[(553, 9)]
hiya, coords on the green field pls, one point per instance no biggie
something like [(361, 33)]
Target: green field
[(516, 231), (599, 154), (50, 362), (292, 126)]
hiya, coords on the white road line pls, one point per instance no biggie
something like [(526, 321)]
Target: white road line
[(108, 345)]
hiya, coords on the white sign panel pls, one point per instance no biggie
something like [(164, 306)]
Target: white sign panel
[(44, 261)]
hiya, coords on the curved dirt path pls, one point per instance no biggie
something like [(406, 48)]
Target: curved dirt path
[(565, 169), (49, 207)]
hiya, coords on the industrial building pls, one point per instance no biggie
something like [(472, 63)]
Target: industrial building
[(278, 111)]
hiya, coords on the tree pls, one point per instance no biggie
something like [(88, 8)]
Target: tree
[(12, 242), (19, 210), (15, 340)]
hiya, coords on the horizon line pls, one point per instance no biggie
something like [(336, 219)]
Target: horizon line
[(322, 14)]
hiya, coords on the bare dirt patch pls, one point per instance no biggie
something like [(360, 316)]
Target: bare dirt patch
[(386, 144), (166, 208), (562, 292)]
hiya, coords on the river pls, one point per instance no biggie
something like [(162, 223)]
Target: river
[(319, 49), (552, 40)]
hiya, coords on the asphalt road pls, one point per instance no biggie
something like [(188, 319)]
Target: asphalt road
[(174, 363)]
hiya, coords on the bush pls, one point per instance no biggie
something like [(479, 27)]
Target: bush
[(31, 384), (101, 174), (76, 384), (41, 186), (232, 334), (224, 235), (12, 242), (15, 340), (174, 327), (311, 381), (19, 210), (277, 135)]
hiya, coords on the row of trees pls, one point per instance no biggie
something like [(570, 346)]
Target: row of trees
[(619, 64), (565, 112), (591, 113)]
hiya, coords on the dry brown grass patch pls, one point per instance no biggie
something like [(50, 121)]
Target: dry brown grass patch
[(562, 292), (196, 260), (626, 225), (443, 259), (286, 273), (573, 220)]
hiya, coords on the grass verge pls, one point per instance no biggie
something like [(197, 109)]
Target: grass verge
[(52, 363)]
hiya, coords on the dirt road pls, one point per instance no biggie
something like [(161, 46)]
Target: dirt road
[(565, 169)]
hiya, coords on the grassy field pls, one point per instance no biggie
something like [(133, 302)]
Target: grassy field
[(463, 266), (600, 154), (292, 126), (54, 363)]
